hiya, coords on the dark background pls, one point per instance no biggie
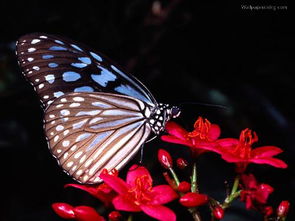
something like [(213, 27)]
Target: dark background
[(182, 51)]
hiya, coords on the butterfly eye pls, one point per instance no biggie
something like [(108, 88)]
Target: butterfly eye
[(175, 112)]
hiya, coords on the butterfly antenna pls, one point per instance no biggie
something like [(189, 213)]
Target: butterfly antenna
[(205, 104)]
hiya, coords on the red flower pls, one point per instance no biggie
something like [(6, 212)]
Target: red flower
[(254, 194), (181, 163), (184, 187), (193, 199), (241, 152), (218, 212), (204, 134), (267, 211), (283, 208), (137, 194), (164, 158), (103, 192), (79, 213), (115, 216)]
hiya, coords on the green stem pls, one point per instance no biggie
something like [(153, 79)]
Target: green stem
[(234, 193), (194, 182), (195, 214), (174, 176), (130, 217)]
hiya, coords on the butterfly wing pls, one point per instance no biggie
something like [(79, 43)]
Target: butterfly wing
[(56, 66), (88, 132)]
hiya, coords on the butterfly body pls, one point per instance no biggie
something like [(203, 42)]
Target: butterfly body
[(96, 116)]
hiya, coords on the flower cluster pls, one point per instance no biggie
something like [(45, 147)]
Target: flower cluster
[(138, 194)]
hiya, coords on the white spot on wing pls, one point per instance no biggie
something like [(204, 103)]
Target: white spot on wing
[(77, 155), (84, 89), (85, 60), (58, 94), (79, 124), (31, 49), (101, 104), (66, 132), (41, 86), (70, 76), (91, 113), (59, 127), (50, 78), (30, 59), (66, 143), (69, 164), (64, 112), (36, 68), (35, 41), (96, 56), (78, 99), (82, 137), (75, 104), (76, 47), (94, 120)]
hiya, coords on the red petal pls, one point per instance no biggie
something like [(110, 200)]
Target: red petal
[(173, 139), (176, 130), (125, 204), (135, 172), (165, 158), (266, 151), (114, 182), (103, 192), (159, 212), (184, 187), (214, 132), (283, 208), (89, 189), (262, 193), (227, 143), (249, 181), (270, 161), (64, 210), (163, 194), (86, 213), (193, 199), (231, 158)]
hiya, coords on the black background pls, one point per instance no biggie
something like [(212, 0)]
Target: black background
[(208, 52)]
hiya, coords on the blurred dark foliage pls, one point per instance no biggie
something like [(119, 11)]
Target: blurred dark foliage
[(182, 51)]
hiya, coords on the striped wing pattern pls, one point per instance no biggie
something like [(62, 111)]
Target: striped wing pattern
[(55, 66), (88, 132)]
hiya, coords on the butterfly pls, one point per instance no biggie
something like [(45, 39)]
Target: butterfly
[(95, 115)]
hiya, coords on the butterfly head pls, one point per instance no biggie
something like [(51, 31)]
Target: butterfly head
[(175, 111), (162, 114)]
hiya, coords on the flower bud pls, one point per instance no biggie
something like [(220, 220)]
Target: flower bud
[(184, 187), (115, 216), (193, 199), (64, 210), (165, 158), (283, 208), (267, 211), (86, 213), (218, 212), (181, 163)]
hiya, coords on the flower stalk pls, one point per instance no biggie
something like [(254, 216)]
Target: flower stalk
[(233, 194)]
